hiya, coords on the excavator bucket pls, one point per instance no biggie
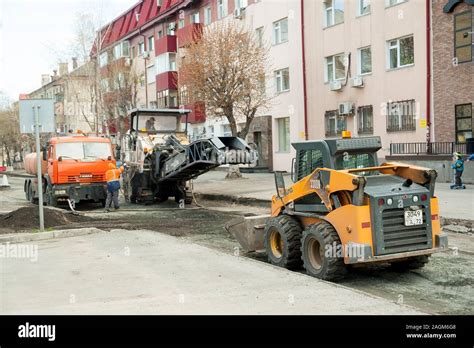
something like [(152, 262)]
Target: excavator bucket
[(249, 231)]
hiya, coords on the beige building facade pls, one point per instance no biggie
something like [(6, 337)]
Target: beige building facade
[(366, 69)]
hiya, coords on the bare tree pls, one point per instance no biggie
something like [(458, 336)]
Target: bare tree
[(10, 139), (225, 69)]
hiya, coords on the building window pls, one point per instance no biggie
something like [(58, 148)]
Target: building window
[(150, 74), (389, 3), (401, 116), (167, 99), (134, 51), (283, 126), (282, 80), (259, 36), (207, 15), (141, 48), (333, 12), (335, 123), (463, 115), (171, 28), (365, 118), (365, 60), (165, 62), (226, 131), (103, 59), (194, 18), (463, 35), (400, 52), (151, 43), (335, 68), (221, 9), (363, 7), (121, 50), (160, 34), (280, 31), (181, 24)]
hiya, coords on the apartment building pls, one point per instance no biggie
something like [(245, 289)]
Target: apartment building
[(145, 41), (72, 97), (366, 69), (453, 69)]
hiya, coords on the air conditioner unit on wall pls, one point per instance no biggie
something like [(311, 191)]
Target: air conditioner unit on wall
[(146, 55), (346, 108), (335, 85), (239, 13), (357, 82)]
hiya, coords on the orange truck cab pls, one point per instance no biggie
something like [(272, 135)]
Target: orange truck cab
[(73, 168)]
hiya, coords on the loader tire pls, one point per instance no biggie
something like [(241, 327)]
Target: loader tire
[(415, 262), (283, 241), (318, 244)]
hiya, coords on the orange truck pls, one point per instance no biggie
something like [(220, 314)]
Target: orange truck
[(73, 168)]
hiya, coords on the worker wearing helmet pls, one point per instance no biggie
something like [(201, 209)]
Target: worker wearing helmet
[(112, 175), (458, 167)]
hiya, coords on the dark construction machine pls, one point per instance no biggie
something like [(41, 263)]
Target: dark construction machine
[(160, 160), (346, 209)]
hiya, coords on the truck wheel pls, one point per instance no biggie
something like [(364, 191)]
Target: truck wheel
[(31, 194), (27, 191), (283, 241), (317, 240), (51, 201), (415, 262)]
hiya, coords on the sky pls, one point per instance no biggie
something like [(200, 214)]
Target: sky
[(36, 34)]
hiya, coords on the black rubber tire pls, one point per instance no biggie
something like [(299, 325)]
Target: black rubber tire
[(31, 194), (51, 201), (322, 235), (415, 262), (289, 230)]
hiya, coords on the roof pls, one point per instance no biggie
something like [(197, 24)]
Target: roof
[(127, 23), (78, 138)]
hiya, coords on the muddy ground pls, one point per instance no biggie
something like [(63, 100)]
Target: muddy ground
[(444, 286)]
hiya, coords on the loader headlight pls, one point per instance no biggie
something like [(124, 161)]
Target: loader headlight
[(389, 201), (415, 199)]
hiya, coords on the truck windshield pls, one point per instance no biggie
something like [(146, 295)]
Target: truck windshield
[(356, 160), (83, 150), (157, 123)]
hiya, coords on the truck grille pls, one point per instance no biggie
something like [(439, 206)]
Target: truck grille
[(86, 178), (398, 238)]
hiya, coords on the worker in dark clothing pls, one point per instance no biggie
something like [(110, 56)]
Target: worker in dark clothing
[(458, 167), (113, 186)]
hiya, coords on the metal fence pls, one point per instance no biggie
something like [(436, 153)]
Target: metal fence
[(435, 148)]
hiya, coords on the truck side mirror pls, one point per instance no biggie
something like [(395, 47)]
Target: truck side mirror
[(45, 154), (293, 171)]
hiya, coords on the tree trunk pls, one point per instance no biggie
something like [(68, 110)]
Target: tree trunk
[(234, 170), (248, 121)]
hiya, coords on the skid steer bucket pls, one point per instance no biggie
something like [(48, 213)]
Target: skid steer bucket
[(249, 231)]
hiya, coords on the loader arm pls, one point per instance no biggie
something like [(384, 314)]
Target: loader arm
[(323, 182)]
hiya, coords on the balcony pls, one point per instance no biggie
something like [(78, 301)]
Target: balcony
[(167, 80), (165, 44), (189, 34), (197, 114)]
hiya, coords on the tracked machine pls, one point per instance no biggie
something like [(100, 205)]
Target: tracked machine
[(161, 161), (345, 209)]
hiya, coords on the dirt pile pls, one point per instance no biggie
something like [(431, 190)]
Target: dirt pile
[(28, 218)]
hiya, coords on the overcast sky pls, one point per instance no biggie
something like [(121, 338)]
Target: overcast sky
[(34, 34)]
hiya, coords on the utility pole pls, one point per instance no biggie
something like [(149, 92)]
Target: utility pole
[(38, 166)]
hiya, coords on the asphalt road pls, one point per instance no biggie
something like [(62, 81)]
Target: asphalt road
[(143, 272)]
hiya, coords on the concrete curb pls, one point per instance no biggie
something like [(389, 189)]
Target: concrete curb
[(30, 237), (19, 175), (234, 199)]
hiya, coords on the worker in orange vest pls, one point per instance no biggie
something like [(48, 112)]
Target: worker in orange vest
[(113, 186)]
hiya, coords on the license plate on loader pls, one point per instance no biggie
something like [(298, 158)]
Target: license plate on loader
[(413, 217)]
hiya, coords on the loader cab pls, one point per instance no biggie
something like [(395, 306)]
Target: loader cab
[(158, 121), (334, 154)]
